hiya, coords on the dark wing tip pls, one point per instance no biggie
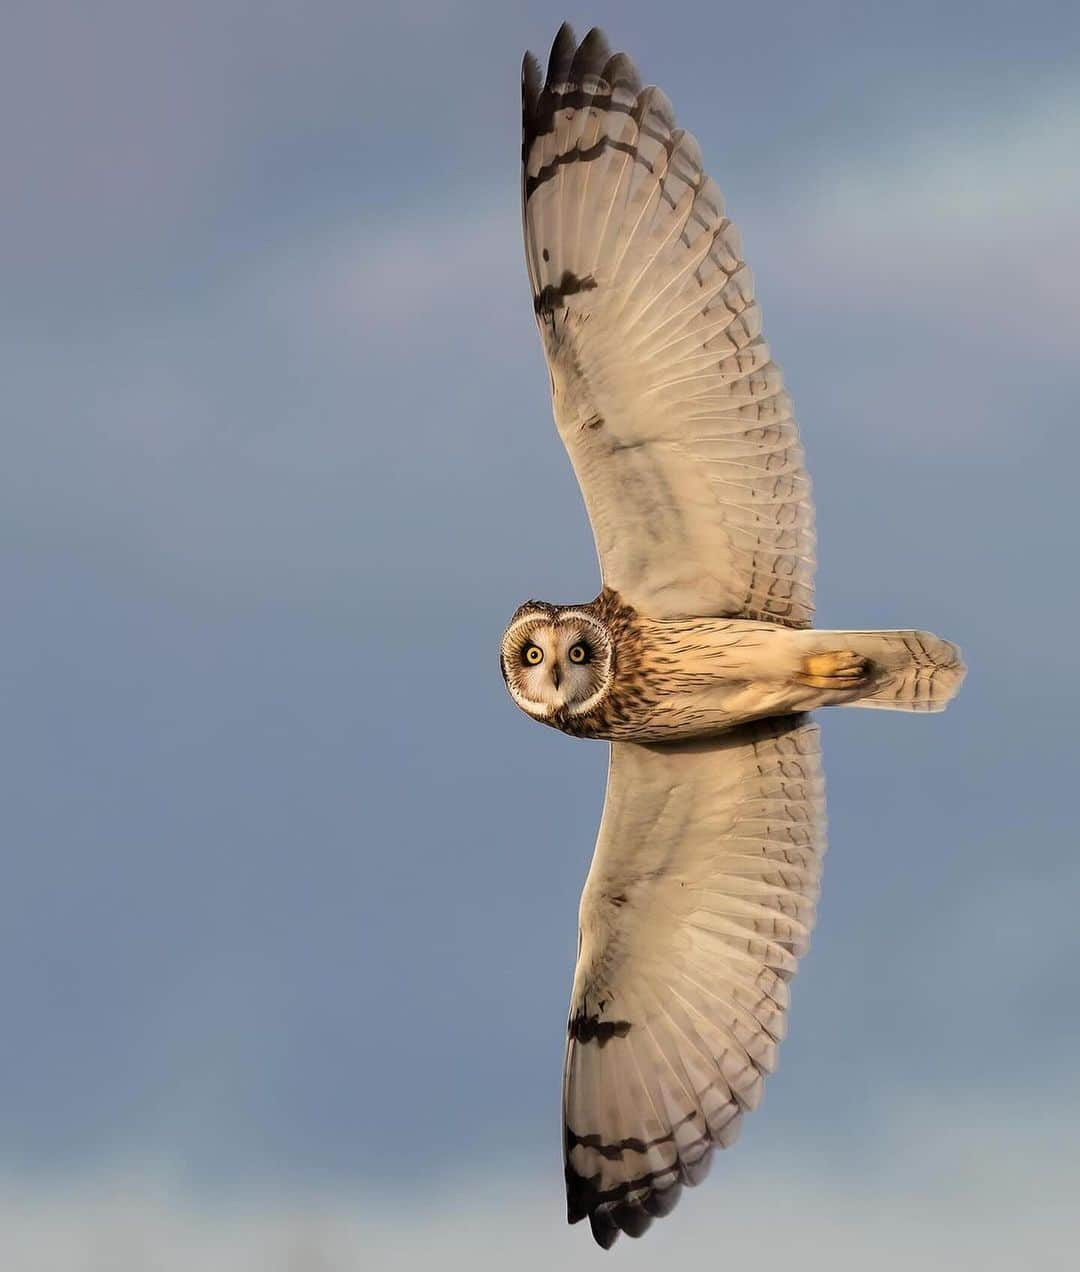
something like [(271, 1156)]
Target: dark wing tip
[(579, 1191), (604, 1229), (592, 56), (569, 67), (611, 1211), (562, 55), (662, 1201), (632, 1217), (620, 72), (530, 84)]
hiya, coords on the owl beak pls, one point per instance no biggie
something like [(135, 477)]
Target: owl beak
[(555, 677)]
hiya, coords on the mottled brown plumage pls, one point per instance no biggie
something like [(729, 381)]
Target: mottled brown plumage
[(697, 660), (665, 679)]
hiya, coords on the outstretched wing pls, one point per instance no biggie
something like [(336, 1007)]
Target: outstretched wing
[(697, 907), (675, 417)]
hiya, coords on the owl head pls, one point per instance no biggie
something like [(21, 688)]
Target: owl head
[(556, 660)]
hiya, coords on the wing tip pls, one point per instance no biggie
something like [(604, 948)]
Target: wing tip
[(569, 64), (561, 55), (531, 82), (620, 72), (590, 57), (608, 1216), (604, 1230)]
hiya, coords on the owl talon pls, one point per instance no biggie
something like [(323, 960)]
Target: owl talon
[(834, 669)]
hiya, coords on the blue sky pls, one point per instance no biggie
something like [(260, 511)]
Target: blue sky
[(289, 912)]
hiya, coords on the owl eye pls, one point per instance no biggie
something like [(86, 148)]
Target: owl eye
[(533, 655), (579, 653)]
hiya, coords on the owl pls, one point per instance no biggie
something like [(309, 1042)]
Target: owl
[(697, 662)]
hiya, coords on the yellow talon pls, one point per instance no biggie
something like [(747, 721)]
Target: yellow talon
[(833, 669)]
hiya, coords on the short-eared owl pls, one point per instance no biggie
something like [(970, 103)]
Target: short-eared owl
[(697, 660)]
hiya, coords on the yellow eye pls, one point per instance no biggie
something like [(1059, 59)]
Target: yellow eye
[(533, 655), (579, 653)]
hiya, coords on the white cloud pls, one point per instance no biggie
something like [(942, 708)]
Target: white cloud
[(971, 1184)]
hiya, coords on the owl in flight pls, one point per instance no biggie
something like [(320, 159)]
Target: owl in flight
[(697, 661)]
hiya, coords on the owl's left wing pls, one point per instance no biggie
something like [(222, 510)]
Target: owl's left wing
[(675, 417), (698, 904)]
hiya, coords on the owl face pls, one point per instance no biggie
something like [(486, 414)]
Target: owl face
[(556, 661)]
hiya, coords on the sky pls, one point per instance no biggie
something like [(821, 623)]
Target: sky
[(289, 909)]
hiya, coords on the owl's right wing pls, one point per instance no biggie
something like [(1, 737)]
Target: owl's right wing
[(698, 904), (666, 397)]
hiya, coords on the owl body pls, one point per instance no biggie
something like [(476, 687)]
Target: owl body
[(641, 679)]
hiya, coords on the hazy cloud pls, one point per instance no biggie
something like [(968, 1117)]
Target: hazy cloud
[(963, 1185)]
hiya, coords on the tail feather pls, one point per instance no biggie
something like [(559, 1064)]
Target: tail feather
[(912, 671)]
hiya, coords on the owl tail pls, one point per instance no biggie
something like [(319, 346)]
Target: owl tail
[(911, 671)]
